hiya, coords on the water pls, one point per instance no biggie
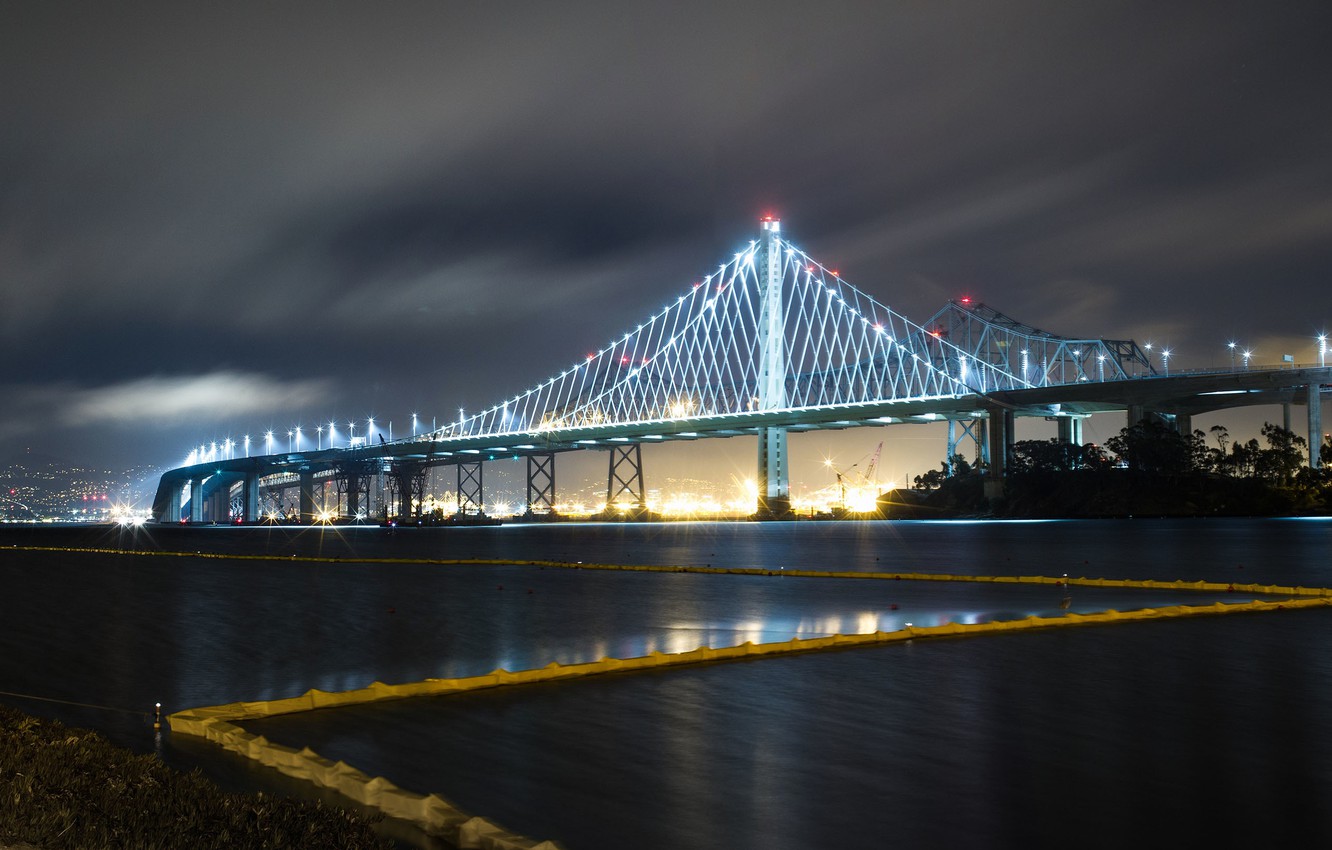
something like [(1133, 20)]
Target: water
[(1139, 733)]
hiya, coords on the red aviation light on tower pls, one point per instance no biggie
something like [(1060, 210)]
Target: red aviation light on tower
[(771, 222), (965, 300)]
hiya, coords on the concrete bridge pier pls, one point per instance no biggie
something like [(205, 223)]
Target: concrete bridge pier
[(774, 476), (250, 497), (1001, 440), (307, 496), (1136, 413), (1070, 430), (172, 513), (196, 500), (1315, 400)]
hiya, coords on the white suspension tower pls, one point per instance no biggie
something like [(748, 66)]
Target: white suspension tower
[(774, 485)]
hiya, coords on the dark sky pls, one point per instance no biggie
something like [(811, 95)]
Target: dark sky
[(221, 218)]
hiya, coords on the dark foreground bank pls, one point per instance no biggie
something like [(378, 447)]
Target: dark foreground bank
[(63, 787)]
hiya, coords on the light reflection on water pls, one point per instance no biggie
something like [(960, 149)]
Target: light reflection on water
[(130, 631)]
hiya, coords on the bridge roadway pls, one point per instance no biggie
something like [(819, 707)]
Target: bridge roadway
[(1176, 398)]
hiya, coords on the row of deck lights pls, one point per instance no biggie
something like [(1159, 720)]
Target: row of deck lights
[(294, 435)]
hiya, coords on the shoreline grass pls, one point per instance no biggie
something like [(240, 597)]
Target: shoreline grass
[(62, 787)]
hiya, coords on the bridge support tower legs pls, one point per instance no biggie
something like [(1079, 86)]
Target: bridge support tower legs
[(625, 476), (471, 496), (541, 484), (407, 481)]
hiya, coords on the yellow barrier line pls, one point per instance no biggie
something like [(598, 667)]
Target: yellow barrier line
[(437, 816), (1147, 584)]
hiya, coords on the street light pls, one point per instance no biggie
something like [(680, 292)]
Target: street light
[(351, 433), (413, 424), (268, 442), (319, 438), (1100, 365), (1165, 360), (1231, 346), (247, 445), (298, 438), (289, 433), (1322, 349), (1247, 354)]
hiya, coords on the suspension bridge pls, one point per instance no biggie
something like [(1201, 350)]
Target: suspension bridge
[(771, 343)]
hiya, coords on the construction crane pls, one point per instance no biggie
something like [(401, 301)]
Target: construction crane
[(862, 480)]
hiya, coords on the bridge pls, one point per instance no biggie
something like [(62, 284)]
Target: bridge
[(771, 343)]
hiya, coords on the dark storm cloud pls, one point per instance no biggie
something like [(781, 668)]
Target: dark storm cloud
[(430, 205)]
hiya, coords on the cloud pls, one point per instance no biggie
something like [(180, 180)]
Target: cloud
[(156, 401), (167, 400)]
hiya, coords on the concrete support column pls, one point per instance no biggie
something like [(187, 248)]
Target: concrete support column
[(1136, 413), (994, 477), (1315, 400), (250, 501), (173, 503), (1070, 430), (774, 476), (1010, 436), (1184, 424), (196, 500), (307, 496), (353, 496), (1285, 416)]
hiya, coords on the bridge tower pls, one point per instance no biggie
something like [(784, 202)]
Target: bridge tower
[(774, 475)]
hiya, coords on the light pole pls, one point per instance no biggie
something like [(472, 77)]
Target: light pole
[(1322, 349), (1165, 360), (351, 433), (1100, 365), (413, 424), (332, 433), (298, 438), (369, 430), (1231, 346), (289, 433), (268, 442), (1247, 354), (319, 438), (247, 445)]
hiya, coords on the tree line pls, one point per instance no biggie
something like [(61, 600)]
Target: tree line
[(1148, 468)]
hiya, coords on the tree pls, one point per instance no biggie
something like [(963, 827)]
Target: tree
[(1281, 461), (1151, 447)]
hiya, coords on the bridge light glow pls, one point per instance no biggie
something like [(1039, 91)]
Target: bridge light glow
[(1246, 355)]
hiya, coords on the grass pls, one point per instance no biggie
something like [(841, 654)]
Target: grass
[(71, 788)]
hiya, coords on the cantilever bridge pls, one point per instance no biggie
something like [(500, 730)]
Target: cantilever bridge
[(771, 342)]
